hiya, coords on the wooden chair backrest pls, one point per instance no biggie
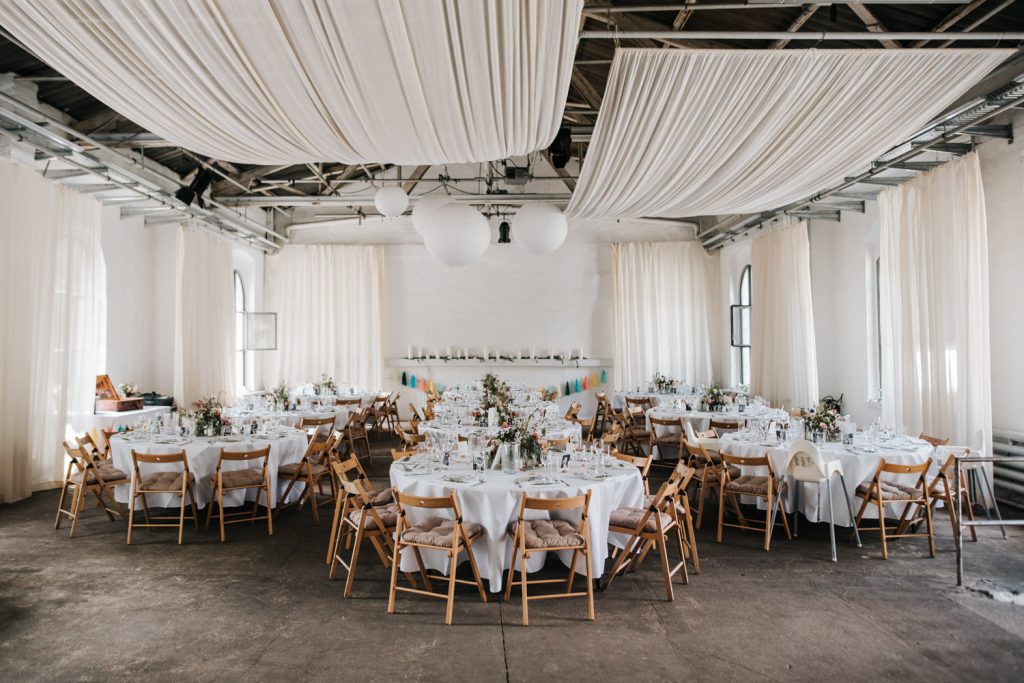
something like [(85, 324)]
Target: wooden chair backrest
[(309, 422), (239, 456), (641, 403), (401, 455), (935, 441), (573, 412), (160, 459), (349, 401), (723, 426), (667, 423), (427, 502), (551, 504), (748, 460)]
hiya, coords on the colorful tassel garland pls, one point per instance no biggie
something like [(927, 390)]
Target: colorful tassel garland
[(412, 381), (405, 380)]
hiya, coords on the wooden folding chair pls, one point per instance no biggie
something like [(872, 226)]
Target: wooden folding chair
[(92, 448), (378, 416), (572, 413), (351, 469), (531, 536), (414, 419), (360, 520), (84, 475), (664, 435), (603, 414), (707, 474), (356, 437), (881, 492), (317, 427), (634, 433), (767, 486), (177, 482), (311, 471), (444, 534), (239, 480), (656, 526), (641, 462), (942, 489), (935, 441), (720, 427), (408, 440), (401, 455)]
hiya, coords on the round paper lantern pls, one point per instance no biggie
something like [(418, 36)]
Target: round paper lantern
[(539, 227), (455, 234), (424, 205), (391, 201)]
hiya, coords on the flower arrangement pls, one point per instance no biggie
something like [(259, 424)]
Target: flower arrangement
[(209, 414), (496, 393), (515, 429), (326, 385), (714, 397), (662, 383), (128, 389), (824, 417), (280, 396)]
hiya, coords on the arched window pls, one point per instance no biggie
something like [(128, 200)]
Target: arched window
[(741, 327), (240, 356)]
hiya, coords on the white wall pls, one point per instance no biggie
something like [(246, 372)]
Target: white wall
[(1002, 167), (508, 300), (140, 301)]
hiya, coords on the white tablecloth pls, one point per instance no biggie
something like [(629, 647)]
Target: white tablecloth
[(495, 505), (858, 467), (701, 420), (127, 418), (561, 429), (202, 456), (292, 418), (619, 398)]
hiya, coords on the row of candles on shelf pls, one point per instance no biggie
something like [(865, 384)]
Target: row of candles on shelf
[(416, 352)]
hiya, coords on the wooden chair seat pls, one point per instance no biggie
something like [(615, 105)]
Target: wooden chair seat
[(438, 531), (110, 475), (388, 515), (890, 490), (164, 481), (548, 533), (628, 518), (300, 469), (234, 479), (752, 484)]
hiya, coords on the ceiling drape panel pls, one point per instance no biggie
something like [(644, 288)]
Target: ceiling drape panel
[(664, 305), (328, 300), (783, 353), (53, 279), (936, 375), (294, 81), (705, 132), (204, 320)]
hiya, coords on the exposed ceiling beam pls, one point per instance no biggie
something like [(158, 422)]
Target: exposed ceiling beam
[(415, 178), (982, 19), (956, 15), (806, 12), (585, 88), (872, 23), (811, 36), (562, 173), (225, 187), (368, 199)]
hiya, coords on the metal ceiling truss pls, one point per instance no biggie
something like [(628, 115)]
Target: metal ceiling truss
[(53, 140), (937, 137)]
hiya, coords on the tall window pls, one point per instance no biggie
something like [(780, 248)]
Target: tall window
[(240, 359), (741, 327)]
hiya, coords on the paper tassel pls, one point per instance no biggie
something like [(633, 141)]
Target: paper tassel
[(577, 386), (405, 379), (604, 377), (568, 389), (412, 381), (586, 383), (594, 379)]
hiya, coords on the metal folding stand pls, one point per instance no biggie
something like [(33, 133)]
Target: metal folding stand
[(961, 524)]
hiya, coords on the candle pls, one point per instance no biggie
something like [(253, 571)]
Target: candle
[(533, 352), (448, 352), (485, 353), (408, 353), (519, 354)]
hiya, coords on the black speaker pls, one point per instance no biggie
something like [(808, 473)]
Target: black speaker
[(561, 148), (194, 191)]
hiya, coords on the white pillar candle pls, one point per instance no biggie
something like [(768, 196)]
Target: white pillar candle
[(408, 352), (533, 352), (448, 352), (519, 354), (485, 353)]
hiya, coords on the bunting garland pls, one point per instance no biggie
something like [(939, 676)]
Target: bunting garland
[(584, 383)]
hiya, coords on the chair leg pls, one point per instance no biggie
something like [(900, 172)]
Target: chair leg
[(131, 516), (78, 503), (512, 567), (475, 570), (721, 516), (454, 554), (355, 557), (663, 551), (881, 527), (849, 509), (60, 504), (220, 500), (691, 538), (590, 581), (700, 503), (270, 517), (970, 515), (831, 522), (394, 569), (522, 585), (769, 522), (335, 528), (798, 485), (931, 531)]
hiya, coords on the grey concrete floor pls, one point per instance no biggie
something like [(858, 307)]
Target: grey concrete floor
[(258, 608)]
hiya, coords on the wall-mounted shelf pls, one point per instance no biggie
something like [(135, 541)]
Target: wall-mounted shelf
[(494, 363)]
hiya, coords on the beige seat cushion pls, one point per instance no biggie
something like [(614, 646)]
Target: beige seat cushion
[(163, 481), (387, 513), (237, 478), (437, 531), (299, 469), (753, 485), (381, 497), (630, 518), (107, 471), (549, 533), (891, 490), (649, 500)]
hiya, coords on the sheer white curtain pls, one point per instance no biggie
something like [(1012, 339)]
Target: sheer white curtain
[(204, 305), (328, 304), (53, 306), (665, 306), (783, 357), (283, 82), (934, 287)]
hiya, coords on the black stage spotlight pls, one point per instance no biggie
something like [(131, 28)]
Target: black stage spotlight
[(504, 230), (561, 148), (194, 191)]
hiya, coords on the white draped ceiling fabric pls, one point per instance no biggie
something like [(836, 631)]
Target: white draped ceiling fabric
[(204, 339), (934, 304), (53, 280), (328, 301), (706, 132), (784, 360), (663, 294), (294, 81)]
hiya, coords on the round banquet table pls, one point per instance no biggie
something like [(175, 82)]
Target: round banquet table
[(556, 429), (202, 454), (700, 420), (858, 463), (656, 399), (292, 418), (494, 505)]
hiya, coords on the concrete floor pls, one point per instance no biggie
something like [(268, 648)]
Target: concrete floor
[(92, 608)]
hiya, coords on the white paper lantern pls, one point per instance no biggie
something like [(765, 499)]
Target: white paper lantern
[(424, 205), (391, 201), (455, 234), (539, 227)]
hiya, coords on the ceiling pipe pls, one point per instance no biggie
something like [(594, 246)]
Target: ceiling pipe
[(367, 200), (816, 36), (755, 4)]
